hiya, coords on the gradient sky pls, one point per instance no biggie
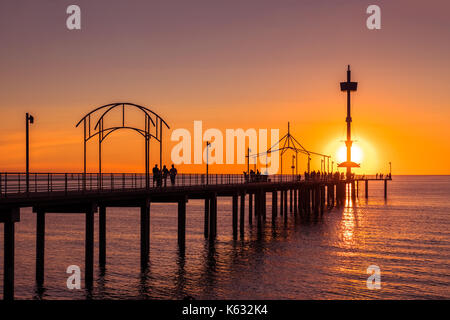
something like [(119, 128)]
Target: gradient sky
[(232, 64)]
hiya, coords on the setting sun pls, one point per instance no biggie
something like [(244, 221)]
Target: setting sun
[(357, 154)]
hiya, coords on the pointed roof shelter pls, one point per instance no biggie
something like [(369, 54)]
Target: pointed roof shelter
[(288, 142)]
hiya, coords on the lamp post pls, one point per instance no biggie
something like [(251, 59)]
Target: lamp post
[(293, 166), (207, 156), (390, 169), (29, 119), (309, 164), (248, 160)]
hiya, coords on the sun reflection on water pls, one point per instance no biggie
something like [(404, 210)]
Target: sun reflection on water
[(348, 221)]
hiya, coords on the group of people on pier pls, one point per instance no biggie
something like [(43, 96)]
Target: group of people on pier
[(307, 176), (254, 176), (380, 176), (313, 175), (161, 175), (326, 176)]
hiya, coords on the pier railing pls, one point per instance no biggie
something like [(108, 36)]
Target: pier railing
[(16, 183)]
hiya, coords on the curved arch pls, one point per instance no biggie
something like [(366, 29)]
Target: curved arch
[(152, 120), (113, 105), (112, 129)]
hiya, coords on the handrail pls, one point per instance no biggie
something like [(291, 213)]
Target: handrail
[(14, 183)]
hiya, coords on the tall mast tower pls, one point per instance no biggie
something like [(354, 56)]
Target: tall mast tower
[(349, 86)]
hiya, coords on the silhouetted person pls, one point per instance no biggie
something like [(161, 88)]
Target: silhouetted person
[(252, 175), (165, 173), (155, 174), (173, 173)]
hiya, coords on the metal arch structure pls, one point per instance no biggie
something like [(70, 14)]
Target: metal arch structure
[(288, 142), (91, 130)]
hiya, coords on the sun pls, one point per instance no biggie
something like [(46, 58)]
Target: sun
[(357, 154)]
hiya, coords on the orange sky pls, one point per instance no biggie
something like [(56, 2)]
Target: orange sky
[(257, 64)]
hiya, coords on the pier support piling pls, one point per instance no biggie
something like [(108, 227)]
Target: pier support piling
[(213, 217), (261, 208), (250, 208), (357, 188), (89, 249), (290, 200), (281, 202), (353, 190), (102, 236), (264, 206), (145, 234), (295, 201), (9, 218), (300, 201), (242, 215), (235, 215), (322, 199), (40, 247), (206, 219), (285, 203), (316, 200), (274, 204), (182, 222)]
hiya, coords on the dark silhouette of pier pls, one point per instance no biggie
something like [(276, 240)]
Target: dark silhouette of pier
[(308, 195), (65, 193)]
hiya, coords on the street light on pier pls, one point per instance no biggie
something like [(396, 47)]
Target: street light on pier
[(29, 119), (248, 160), (207, 157), (293, 165), (309, 164)]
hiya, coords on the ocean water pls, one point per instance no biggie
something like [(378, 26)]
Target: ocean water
[(407, 236)]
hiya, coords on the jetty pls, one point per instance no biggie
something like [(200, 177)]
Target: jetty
[(66, 193), (307, 196)]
